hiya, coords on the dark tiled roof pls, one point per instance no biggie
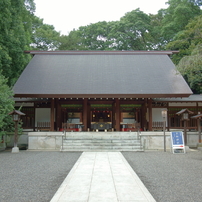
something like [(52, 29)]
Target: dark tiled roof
[(108, 74)]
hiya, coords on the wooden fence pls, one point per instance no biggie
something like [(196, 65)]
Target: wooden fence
[(157, 125), (45, 126)]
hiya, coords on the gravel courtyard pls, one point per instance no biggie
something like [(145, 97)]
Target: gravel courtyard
[(169, 177), (35, 176)]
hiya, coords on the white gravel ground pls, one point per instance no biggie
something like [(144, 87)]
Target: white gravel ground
[(36, 176), (169, 177), (33, 176)]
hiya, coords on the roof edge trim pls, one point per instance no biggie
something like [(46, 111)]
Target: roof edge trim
[(61, 52), (102, 95)]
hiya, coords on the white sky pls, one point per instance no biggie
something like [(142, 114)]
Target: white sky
[(65, 15)]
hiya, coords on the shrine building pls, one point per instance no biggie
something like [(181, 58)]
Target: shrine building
[(101, 90)]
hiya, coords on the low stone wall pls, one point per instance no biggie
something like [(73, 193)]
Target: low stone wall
[(155, 140), (152, 140), (22, 140), (45, 140)]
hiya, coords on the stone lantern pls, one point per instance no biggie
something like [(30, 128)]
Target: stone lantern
[(16, 117), (198, 117), (184, 113)]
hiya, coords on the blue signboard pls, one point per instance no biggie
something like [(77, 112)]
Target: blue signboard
[(177, 138), (177, 141)]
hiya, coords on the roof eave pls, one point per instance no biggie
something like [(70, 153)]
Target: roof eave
[(101, 95)]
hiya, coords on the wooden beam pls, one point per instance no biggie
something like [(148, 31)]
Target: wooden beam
[(150, 114), (100, 102), (117, 114), (168, 118), (58, 115), (88, 116), (85, 113), (52, 115), (113, 115), (143, 116)]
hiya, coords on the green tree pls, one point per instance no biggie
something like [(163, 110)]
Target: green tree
[(157, 41), (191, 68), (90, 37), (185, 41), (15, 36), (71, 41), (131, 32), (6, 103), (177, 16), (196, 2), (44, 36), (94, 36)]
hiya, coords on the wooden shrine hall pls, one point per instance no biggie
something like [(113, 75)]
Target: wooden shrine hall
[(97, 90)]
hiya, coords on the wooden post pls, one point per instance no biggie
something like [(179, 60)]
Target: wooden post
[(52, 115), (168, 119), (185, 132), (150, 114), (199, 129), (117, 114), (89, 116), (113, 115), (16, 134), (85, 113), (143, 117), (58, 115)]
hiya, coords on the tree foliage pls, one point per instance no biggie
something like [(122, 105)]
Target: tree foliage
[(44, 36), (6, 102), (71, 42), (177, 16), (15, 33), (191, 68), (186, 40), (94, 36), (132, 32), (21, 30), (157, 41)]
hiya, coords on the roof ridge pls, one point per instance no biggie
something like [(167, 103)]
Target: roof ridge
[(67, 52)]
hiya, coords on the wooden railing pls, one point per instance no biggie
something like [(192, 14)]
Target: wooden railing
[(72, 126), (157, 125), (45, 126)]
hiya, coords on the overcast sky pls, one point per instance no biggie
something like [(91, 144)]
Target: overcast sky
[(65, 15)]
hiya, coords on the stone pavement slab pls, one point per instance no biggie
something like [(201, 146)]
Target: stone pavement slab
[(102, 177)]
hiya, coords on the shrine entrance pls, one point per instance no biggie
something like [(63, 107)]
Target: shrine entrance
[(101, 117), (131, 115), (73, 116)]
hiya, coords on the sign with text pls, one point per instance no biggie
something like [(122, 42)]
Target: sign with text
[(177, 142)]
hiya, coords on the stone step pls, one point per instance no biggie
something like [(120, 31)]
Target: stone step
[(95, 148), (103, 136), (99, 141), (101, 150)]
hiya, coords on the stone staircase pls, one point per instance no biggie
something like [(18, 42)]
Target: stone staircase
[(101, 141)]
